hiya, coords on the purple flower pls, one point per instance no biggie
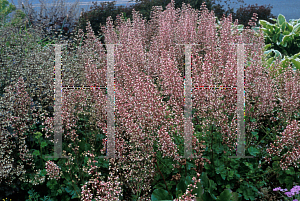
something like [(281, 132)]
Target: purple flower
[(277, 189), (289, 194), (294, 191)]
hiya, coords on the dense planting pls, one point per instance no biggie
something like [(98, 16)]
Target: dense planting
[(149, 101)]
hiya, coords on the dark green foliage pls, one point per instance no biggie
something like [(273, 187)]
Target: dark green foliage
[(244, 14), (145, 6), (160, 194)]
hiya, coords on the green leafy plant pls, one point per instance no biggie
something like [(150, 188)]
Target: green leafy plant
[(5, 9), (282, 39), (33, 196), (18, 18)]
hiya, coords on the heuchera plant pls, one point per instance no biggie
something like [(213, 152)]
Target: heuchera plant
[(137, 99), (149, 72)]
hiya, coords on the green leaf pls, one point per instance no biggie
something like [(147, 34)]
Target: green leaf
[(198, 191), (160, 185), (240, 26), (212, 187), (256, 29), (51, 183), (188, 180), (286, 39), (38, 135), (43, 172), (59, 191), (289, 27), (296, 62), (36, 153), (230, 175), (179, 193), (218, 148), (74, 196), (189, 165), (181, 186), (267, 46), (253, 151), (270, 60), (296, 29), (222, 171), (67, 177), (277, 54), (225, 195), (296, 56), (290, 171), (235, 196), (204, 180), (264, 23), (171, 184), (255, 134), (208, 197), (283, 26), (280, 39), (160, 194), (72, 192), (286, 32), (43, 144), (33, 127), (289, 181)]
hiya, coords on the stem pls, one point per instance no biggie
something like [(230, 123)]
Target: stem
[(271, 176), (162, 177), (138, 193), (212, 151), (185, 168), (262, 127), (27, 16), (61, 28), (41, 150)]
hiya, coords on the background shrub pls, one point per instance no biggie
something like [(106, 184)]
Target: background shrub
[(5, 9), (98, 14), (56, 21), (244, 14)]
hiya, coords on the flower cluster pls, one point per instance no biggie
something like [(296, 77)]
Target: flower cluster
[(188, 194), (294, 191), (52, 170), (290, 139), (110, 190), (38, 179), (16, 99)]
